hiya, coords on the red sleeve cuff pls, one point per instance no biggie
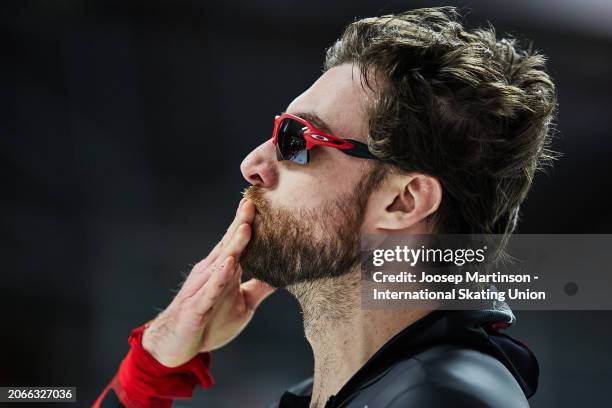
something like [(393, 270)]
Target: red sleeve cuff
[(142, 381)]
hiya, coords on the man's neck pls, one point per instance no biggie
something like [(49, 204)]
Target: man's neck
[(343, 336)]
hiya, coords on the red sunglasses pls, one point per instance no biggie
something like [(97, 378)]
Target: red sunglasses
[(294, 137)]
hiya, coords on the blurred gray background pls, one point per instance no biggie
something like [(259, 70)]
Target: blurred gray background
[(122, 127)]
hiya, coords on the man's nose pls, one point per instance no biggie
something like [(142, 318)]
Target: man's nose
[(260, 166)]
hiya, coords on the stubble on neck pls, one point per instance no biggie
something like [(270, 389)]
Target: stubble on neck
[(342, 334)]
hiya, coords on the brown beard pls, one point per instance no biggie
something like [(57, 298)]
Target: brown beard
[(289, 247)]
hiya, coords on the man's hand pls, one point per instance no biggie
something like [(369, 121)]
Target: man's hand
[(212, 306)]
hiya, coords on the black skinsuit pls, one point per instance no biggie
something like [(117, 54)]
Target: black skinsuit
[(447, 359)]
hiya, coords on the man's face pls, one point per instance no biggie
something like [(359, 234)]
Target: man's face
[(310, 216)]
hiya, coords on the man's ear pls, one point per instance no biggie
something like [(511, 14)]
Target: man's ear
[(405, 200)]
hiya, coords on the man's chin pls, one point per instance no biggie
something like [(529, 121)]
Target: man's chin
[(275, 282), (266, 271)]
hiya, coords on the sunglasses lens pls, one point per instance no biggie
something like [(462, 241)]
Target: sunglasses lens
[(291, 144)]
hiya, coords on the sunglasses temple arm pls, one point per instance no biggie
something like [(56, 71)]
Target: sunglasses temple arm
[(359, 150)]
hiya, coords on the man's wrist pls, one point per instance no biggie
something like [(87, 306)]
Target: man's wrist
[(147, 342), (144, 381)]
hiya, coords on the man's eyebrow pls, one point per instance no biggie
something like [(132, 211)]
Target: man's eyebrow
[(315, 120)]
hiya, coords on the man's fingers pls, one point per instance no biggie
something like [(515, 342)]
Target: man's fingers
[(198, 278), (254, 292), (206, 262), (203, 271), (239, 241), (233, 250), (205, 297), (245, 214), (242, 216)]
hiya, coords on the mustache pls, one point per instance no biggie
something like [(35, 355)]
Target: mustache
[(255, 194)]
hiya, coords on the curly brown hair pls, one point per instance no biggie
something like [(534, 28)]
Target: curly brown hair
[(473, 111)]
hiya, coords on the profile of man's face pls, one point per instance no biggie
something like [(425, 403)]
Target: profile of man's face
[(310, 217)]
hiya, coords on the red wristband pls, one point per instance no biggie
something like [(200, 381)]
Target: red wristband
[(143, 381)]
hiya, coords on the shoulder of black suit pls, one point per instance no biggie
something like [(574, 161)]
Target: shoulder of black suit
[(447, 359)]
